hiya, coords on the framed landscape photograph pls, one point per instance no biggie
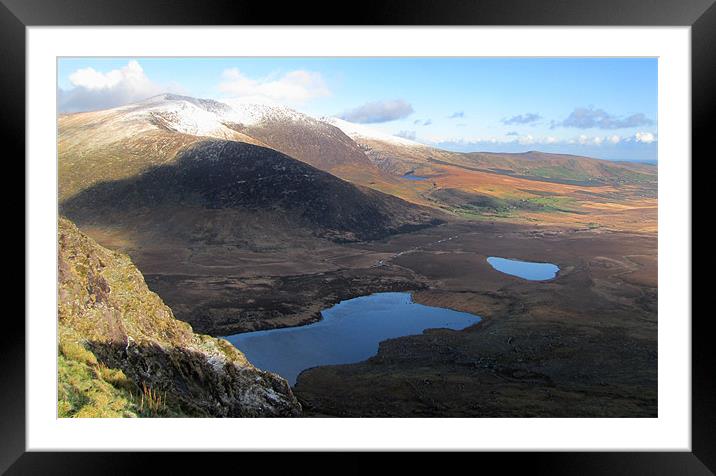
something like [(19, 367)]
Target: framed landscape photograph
[(435, 229)]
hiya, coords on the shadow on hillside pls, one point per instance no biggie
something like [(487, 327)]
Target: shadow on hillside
[(215, 175)]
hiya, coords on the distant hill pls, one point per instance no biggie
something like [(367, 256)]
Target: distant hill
[(559, 168), (215, 190), (123, 354), (398, 156)]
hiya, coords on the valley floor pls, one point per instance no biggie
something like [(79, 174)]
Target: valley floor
[(582, 345)]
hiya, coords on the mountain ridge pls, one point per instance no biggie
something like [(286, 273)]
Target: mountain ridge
[(127, 140), (228, 175)]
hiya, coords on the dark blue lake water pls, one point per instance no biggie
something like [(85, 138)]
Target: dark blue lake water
[(349, 332), (524, 269), (411, 176)]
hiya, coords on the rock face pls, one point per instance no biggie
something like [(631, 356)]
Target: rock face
[(105, 307)]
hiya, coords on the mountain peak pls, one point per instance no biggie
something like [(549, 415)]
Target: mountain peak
[(208, 117), (209, 105)]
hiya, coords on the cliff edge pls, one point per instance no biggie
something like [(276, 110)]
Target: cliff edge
[(122, 352)]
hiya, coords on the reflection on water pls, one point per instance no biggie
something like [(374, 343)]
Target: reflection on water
[(524, 269), (349, 332)]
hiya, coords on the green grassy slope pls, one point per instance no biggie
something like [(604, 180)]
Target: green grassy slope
[(122, 352)]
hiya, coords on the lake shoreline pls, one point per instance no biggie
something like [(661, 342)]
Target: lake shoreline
[(534, 351), (350, 332)]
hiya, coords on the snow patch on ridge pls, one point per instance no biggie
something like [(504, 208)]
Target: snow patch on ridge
[(250, 114), (205, 117), (356, 131)]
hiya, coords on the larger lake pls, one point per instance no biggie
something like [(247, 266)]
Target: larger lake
[(349, 332), (524, 269)]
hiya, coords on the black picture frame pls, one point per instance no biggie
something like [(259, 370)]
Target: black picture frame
[(16, 15)]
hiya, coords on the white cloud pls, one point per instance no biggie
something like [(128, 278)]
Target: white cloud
[(614, 139), (294, 87), (509, 138), (528, 118), (92, 89), (645, 137), (92, 79), (584, 139), (410, 135), (588, 117), (529, 139), (526, 140), (379, 111)]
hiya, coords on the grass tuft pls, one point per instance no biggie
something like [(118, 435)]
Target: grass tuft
[(152, 403)]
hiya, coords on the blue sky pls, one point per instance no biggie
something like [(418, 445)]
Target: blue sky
[(602, 107)]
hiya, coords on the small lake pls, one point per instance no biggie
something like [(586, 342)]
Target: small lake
[(524, 269), (349, 332), (411, 176)]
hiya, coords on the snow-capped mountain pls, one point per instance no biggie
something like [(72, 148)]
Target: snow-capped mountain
[(153, 131), (210, 118), (205, 117)]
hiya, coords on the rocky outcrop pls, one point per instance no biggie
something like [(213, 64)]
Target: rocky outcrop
[(105, 307)]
